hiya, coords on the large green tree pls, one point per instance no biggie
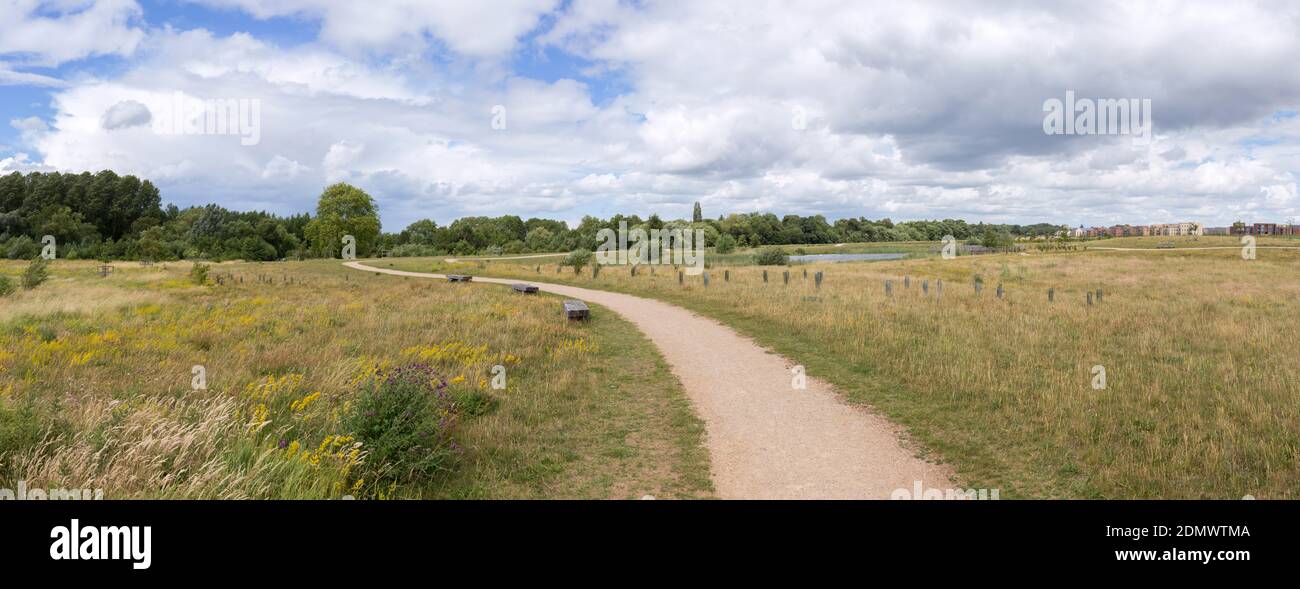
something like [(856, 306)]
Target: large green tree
[(344, 210)]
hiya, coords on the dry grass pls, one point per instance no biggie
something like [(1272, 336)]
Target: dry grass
[(103, 366), (1202, 395)]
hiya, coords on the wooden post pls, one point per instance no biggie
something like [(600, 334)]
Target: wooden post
[(681, 277), (805, 274), (889, 288), (706, 280), (1099, 296), (925, 287), (1089, 298), (726, 275), (999, 290), (818, 278), (979, 284), (1051, 294), (765, 277), (632, 270), (785, 277), (907, 282), (938, 289), (539, 269)]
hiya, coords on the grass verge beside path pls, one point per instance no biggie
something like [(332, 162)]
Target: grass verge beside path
[(1202, 398), (96, 391)]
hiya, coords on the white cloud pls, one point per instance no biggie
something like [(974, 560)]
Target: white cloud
[(12, 78), (283, 168), (819, 107), (479, 28), (45, 32), (127, 113)]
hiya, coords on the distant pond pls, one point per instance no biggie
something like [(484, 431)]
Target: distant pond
[(845, 257)]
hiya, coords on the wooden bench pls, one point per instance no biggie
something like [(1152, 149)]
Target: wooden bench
[(524, 288), (459, 277), (575, 309)]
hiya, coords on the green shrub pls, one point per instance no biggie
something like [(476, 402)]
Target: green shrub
[(22, 428), (405, 419), (38, 271), (22, 248), (199, 273), (578, 259), (6, 286), (726, 244), (771, 256)]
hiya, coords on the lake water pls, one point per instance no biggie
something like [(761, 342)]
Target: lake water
[(845, 257)]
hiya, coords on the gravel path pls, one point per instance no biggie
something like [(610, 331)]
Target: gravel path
[(766, 439)]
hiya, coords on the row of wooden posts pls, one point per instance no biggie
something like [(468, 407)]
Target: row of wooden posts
[(681, 275), (1093, 297), (104, 270), (979, 286)]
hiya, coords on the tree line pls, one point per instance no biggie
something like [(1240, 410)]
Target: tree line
[(107, 216)]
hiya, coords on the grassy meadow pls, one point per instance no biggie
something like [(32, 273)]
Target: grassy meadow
[(1202, 393), (97, 387), (1232, 241)]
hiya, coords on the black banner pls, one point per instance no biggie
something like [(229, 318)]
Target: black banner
[(1200, 539)]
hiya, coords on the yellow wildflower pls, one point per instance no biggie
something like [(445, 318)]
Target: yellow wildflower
[(301, 404), (261, 417)]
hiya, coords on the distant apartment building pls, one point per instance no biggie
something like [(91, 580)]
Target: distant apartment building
[(1188, 228), (1240, 228), (1164, 229), (1130, 231)]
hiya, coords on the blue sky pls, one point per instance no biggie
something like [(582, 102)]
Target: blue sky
[(833, 107)]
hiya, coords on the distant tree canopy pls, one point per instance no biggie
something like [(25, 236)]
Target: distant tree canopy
[(344, 210), (106, 216)]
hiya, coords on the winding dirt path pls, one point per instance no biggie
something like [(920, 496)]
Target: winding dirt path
[(766, 439)]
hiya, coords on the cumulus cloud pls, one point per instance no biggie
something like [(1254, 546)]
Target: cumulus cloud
[(480, 28), (127, 113), (50, 32), (831, 107)]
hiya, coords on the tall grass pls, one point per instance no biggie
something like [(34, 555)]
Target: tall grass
[(1202, 397), (108, 366)]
